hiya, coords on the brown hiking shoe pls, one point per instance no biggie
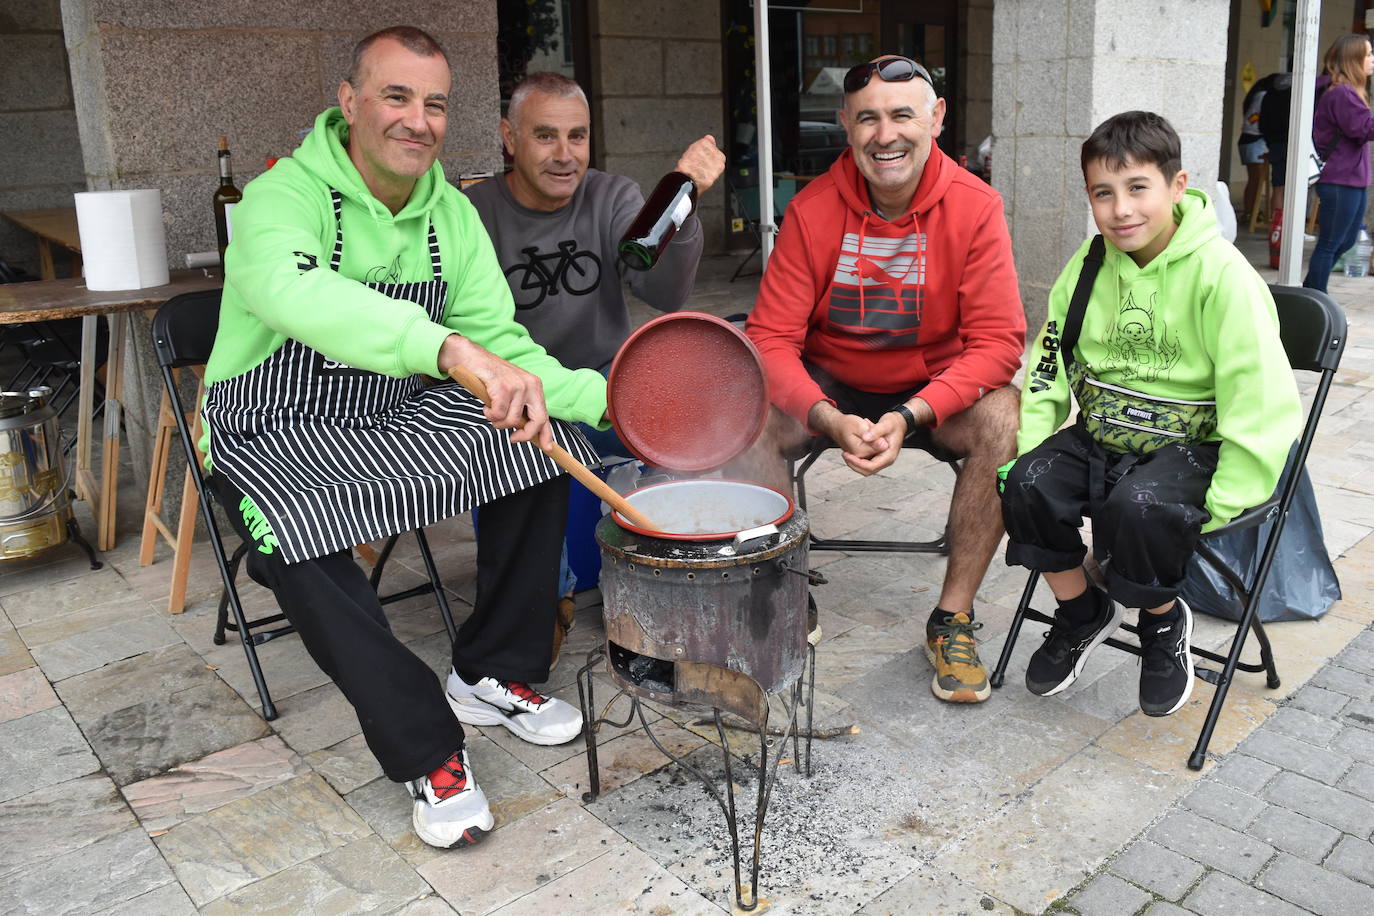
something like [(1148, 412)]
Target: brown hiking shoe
[(562, 622), (959, 675)]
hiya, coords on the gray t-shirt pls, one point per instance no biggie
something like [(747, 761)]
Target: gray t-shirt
[(564, 272)]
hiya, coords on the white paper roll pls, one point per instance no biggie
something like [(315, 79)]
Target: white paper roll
[(123, 243)]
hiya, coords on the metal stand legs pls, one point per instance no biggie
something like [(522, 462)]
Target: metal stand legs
[(74, 534), (738, 694)]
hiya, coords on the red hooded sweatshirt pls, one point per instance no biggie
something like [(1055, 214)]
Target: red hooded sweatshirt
[(885, 306)]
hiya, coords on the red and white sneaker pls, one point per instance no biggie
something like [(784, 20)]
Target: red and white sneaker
[(450, 808), (527, 714)]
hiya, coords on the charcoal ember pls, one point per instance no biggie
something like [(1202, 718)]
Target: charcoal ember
[(651, 673)]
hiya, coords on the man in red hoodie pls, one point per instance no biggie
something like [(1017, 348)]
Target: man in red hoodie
[(890, 314)]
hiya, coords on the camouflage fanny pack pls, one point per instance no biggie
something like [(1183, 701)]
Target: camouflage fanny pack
[(1122, 419)]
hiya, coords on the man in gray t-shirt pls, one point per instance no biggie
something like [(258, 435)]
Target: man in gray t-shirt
[(555, 224)]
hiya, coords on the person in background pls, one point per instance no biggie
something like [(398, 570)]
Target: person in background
[(1342, 127), (551, 202), (1273, 126), (1251, 142)]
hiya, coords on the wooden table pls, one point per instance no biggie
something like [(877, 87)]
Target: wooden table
[(52, 226), (57, 299)]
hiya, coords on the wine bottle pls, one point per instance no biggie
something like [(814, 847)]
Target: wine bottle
[(672, 201), (226, 195)]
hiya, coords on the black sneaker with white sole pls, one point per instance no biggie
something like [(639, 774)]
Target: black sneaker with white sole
[(1060, 659), (1166, 670)]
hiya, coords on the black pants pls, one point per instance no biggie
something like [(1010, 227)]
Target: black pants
[(1146, 511), (400, 703)]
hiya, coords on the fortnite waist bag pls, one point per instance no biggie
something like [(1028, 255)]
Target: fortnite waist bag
[(1122, 419)]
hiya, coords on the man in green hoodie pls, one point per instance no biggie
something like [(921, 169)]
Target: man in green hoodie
[(1187, 411), (355, 272)]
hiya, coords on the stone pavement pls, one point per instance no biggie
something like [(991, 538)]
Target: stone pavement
[(136, 775)]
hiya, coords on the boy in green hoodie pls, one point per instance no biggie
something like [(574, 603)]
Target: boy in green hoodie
[(1187, 411)]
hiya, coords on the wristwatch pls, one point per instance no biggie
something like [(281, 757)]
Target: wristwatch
[(905, 413)]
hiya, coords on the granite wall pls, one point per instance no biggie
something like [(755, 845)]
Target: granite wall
[(975, 29), (40, 158), (657, 87), (1060, 69), (155, 84)]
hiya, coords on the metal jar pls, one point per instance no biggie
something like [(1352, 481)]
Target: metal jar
[(733, 598), (33, 483)]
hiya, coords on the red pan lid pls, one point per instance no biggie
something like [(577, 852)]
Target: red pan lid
[(687, 392)]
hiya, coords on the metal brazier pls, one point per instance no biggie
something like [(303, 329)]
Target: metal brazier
[(737, 602)]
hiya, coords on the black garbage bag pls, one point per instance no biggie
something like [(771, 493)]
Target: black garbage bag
[(1302, 583)]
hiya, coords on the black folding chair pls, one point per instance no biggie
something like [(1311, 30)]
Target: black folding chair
[(1313, 329), (183, 335), (818, 447), (743, 191)]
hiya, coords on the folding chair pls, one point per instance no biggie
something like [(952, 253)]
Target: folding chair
[(743, 191), (1313, 329), (50, 353), (183, 335), (814, 451)]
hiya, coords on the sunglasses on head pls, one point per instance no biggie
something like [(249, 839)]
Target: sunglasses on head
[(888, 69)]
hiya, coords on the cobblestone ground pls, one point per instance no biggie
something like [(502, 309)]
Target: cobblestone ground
[(137, 776)]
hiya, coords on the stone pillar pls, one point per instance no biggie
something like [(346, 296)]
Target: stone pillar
[(1059, 70), (40, 158), (975, 25), (657, 87), (156, 83)]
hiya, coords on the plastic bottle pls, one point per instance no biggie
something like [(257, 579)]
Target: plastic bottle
[(1357, 259)]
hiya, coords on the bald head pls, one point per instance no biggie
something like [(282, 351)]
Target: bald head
[(544, 83), (892, 116), (416, 41)]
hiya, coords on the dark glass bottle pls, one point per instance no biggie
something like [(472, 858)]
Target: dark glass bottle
[(658, 221), (226, 195)]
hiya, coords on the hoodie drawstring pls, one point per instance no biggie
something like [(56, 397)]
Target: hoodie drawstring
[(858, 268)]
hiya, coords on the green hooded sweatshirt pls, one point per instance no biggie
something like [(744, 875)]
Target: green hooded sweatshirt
[(278, 282), (1196, 323)]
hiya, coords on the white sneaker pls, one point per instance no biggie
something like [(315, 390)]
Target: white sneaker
[(450, 815), (527, 714)]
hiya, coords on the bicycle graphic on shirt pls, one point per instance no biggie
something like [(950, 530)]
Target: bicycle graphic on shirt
[(576, 272)]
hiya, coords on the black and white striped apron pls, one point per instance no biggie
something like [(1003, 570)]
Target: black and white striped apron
[(335, 456)]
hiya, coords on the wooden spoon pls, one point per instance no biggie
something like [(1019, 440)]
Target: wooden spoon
[(565, 461)]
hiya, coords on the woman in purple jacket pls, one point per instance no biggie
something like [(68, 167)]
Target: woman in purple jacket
[(1342, 127)]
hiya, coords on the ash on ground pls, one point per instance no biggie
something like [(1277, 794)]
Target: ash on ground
[(842, 836)]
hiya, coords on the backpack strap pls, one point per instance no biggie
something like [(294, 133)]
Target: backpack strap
[(1078, 303)]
